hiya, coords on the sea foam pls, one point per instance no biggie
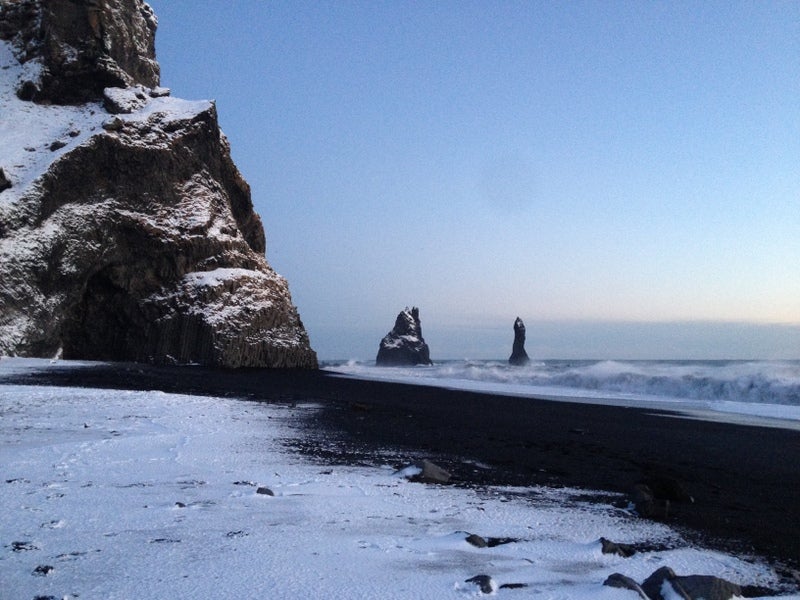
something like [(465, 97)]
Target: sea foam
[(767, 388)]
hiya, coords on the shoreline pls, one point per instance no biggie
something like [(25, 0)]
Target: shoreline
[(744, 480)]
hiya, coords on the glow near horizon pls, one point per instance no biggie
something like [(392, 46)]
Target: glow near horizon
[(578, 162)]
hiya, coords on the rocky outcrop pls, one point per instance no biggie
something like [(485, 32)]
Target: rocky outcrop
[(126, 230), (426, 471), (81, 47), (691, 587), (665, 584), (518, 355), (404, 344)]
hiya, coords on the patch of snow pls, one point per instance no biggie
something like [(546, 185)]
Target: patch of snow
[(33, 136), (222, 276), (154, 495), (127, 100), (168, 109), (28, 131)]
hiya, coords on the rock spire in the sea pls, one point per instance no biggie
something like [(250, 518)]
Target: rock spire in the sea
[(518, 355), (126, 230), (404, 344)]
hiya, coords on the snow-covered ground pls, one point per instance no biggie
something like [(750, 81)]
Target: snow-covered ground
[(117, 494)]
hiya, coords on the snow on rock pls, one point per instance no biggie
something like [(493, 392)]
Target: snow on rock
[(76, 49), (404, 344), (110, 203), (239, 315), (154, 495)]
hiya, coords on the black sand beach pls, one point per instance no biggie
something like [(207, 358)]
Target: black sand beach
[(744, 481)]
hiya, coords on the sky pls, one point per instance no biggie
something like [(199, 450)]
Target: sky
[(623, 176)]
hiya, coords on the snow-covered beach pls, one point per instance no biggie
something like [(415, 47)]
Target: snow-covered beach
[(146, 494)]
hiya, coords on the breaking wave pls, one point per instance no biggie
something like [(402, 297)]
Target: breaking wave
[(759, 382)]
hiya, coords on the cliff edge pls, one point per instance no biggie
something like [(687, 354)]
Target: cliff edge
[(126, 230)]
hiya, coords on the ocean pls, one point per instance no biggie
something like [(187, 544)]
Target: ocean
[(756, 389)]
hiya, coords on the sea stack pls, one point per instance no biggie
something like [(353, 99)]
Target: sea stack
[(127, 233), (518, 355), (404, 345)]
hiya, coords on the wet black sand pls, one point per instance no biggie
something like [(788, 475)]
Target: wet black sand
[(744, 480)]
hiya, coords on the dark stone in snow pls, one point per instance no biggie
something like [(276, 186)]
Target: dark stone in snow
[(265, 491), (690, 587), (707, 587), (236, 534), (27, 91), (653, 584), (23, 546), (484, 582), (404, 344), (491, 542), (476, 540), (518, 355), (430, 473), (623, 550), (4, 182), (43, 570)]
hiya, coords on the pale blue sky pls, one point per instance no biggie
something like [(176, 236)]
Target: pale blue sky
[(624, 176)]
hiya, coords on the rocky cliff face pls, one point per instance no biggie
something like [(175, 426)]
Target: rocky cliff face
[(82, 46), (126, 231), (404, 344)]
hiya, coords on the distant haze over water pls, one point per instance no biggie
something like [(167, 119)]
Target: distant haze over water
[(485, 339)]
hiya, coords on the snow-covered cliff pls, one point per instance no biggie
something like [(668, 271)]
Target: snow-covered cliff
[(126, 231)]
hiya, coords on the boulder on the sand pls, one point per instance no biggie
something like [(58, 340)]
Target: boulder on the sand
[(689, 587), (664, 584), (404, 345), (485, 583), (623, 550), (425, 471), (518, 355)]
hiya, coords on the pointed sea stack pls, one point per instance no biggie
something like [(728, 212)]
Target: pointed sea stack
[(404, 345), (518, 355), (127, 232)]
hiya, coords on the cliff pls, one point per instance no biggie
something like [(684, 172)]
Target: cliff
[(126, 230)]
